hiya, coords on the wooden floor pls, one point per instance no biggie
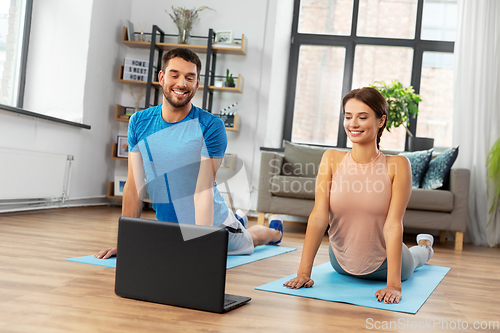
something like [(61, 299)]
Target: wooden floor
[(41, 292)]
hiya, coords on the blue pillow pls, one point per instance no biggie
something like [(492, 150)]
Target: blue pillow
[(438, 173), (419, 161)]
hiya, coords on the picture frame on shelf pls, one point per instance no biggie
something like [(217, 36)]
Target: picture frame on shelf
[(224, 36), (130, 31), (119, 185), (122, 146)]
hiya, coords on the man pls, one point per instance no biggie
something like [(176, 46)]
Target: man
[(176, 149)]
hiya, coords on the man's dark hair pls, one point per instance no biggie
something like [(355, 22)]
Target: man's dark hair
[(183, 53)]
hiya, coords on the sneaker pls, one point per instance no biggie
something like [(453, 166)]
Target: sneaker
[(424, 240), (242, 217), (276, 222)]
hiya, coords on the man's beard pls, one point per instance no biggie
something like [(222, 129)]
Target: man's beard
[(179, 104)]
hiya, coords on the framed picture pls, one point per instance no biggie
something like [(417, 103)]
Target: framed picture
[(122, 149), (224, 36), (130, 31), (119, 185)]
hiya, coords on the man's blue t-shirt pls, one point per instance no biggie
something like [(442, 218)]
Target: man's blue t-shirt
[(171, 155)]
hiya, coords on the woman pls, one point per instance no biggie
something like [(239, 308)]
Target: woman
[(362, 195)]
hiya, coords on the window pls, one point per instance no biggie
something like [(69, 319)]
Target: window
[(13, 42), (15, 26), (320, 86), (338, 45)]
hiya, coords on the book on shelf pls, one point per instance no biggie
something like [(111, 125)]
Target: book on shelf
[(129, 111)]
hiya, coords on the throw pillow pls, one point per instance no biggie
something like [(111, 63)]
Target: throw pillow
[(438, 172), (419, 161), (301, 160)]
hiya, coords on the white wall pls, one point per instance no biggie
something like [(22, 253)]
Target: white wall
[(257, 21), (83, 78)]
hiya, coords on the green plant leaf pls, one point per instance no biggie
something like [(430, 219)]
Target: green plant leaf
[(402, 102), (493, 168)]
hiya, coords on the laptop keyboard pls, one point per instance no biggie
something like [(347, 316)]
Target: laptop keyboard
[(228, 302)]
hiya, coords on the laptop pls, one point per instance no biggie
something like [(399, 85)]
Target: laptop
[(155, 264)]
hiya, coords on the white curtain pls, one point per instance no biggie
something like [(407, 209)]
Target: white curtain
[(477, 106)]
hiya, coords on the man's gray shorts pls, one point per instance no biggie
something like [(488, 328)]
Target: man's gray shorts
[(240, 241)]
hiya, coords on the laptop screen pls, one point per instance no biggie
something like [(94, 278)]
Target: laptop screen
[(170, 263)]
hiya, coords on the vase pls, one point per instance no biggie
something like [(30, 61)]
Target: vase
[(183, 36)]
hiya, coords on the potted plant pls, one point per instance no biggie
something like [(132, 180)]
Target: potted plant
[(229, 79), (403, 104), (493, 165)]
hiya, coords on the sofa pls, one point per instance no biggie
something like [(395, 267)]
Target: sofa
[(287, 184)]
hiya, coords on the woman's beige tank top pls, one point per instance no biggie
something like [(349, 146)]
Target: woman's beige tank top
[(359, 202)]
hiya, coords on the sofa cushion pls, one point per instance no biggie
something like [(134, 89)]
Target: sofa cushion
[(293, 187), (419, 161), (301, 160), (431, 200), (437, 175)]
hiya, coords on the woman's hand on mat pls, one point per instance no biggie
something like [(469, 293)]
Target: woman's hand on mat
[(389, 295), (105, 254), (302, 280)]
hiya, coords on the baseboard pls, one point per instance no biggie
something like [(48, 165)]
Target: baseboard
[(27, 205)]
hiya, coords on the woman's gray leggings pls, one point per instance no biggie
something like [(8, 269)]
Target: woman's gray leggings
[(412, 259)]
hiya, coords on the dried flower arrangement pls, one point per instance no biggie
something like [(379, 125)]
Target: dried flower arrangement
[(185, 19), (137, 93)]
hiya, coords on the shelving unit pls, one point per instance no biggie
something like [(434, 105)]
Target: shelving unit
[(156, 48), (237, 89), (210, 49)]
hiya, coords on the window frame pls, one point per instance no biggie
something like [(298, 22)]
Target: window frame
[(18, 108), (350, 42)]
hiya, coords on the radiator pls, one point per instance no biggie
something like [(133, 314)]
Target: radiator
[(33, 175)]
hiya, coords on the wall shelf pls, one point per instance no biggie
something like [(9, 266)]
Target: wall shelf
[(111, 191), (120, 113), (155, 52), (238, 89), (236, 49)]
